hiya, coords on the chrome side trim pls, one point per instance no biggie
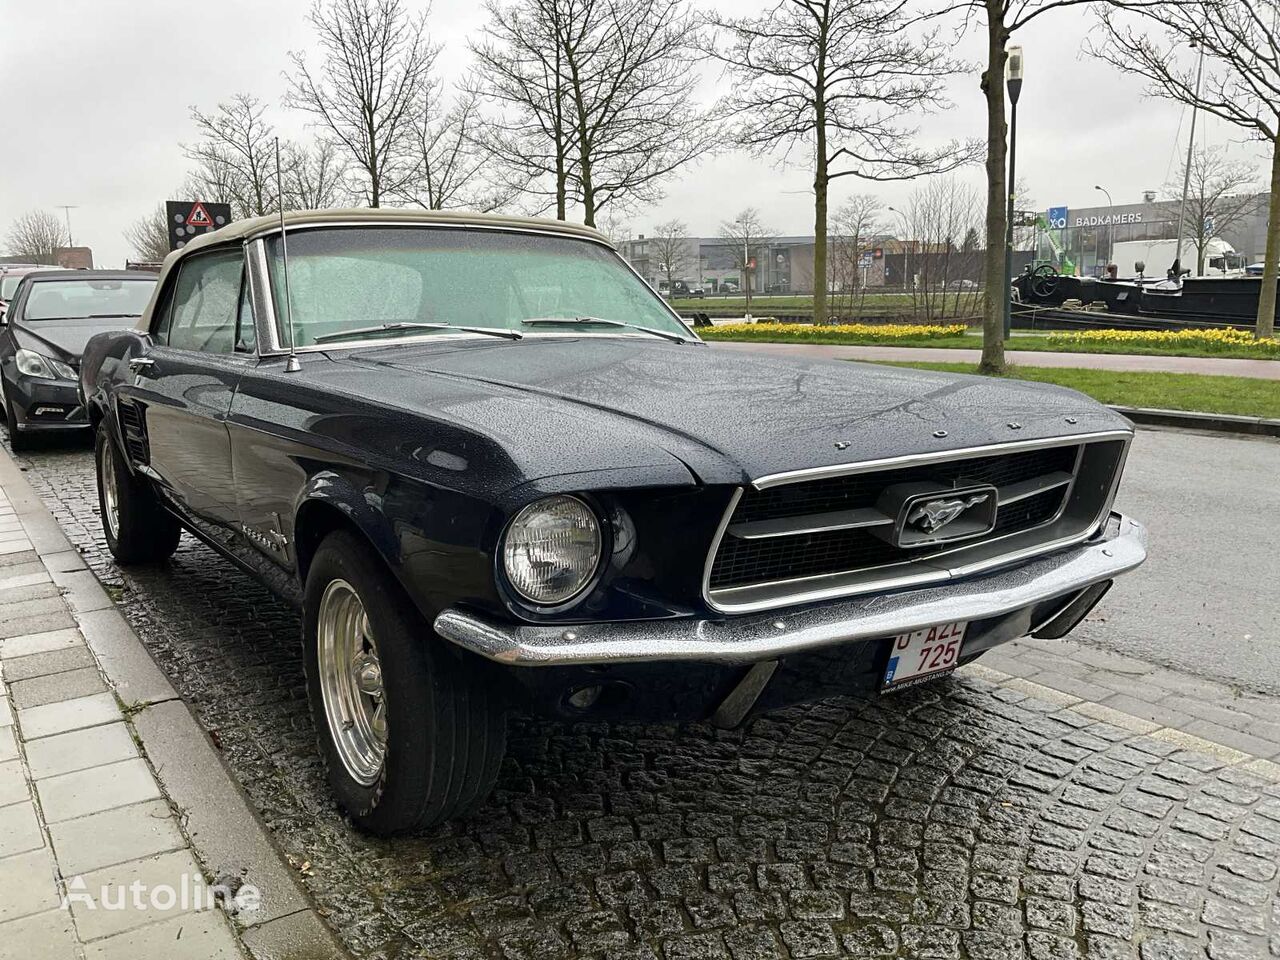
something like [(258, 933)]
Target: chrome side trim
[(920, 459), (759, 638), (909, 573)]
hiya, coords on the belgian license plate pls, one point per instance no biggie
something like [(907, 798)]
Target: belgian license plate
[(921, 654)]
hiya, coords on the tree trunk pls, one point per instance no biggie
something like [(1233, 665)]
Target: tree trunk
[(997, 292), (1271, 261), (821, 183)]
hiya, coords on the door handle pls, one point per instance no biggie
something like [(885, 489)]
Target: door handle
[(139, 363)]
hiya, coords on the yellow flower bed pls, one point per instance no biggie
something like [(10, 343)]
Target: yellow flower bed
[(1218, 339), (868, 331)]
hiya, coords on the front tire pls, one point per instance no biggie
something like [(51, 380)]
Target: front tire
[(411, 734), (17, 440), (138, 529)]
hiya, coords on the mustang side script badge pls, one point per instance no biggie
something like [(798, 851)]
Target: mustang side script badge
[(926, 514)]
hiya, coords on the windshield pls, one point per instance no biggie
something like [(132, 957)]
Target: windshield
[(357, 279), (9, 284), (76, 299)]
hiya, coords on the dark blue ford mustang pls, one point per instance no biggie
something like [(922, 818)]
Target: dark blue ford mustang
[(494, 469)]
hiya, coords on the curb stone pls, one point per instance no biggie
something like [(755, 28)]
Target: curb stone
[(214, 815), (1190, 420)]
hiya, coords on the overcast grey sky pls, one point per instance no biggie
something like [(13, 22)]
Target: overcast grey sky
[(96, 97)]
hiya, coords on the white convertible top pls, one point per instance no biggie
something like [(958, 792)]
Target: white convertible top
[(258, 226), (261, 226)]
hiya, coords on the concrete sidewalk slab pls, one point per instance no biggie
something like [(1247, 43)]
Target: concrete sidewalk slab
[(116, 836), (90, 789)]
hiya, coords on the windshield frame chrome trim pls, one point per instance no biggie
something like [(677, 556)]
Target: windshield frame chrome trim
[(260, 237)]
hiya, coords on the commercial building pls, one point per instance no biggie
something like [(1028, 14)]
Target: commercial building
[(1088, 234), (1085, 236)]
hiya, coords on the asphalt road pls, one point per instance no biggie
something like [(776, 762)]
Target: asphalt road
[(1207, 601)]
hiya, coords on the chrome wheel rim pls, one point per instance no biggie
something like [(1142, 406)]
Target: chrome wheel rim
[(351, 682), (110, 497)]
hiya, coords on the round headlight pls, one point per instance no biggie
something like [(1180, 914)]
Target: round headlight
[(552, 549)]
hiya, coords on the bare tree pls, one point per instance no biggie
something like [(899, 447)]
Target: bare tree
[(314, 177), (616, 227), (669, 246), (1240, 44), (149, 235), (1001, 20), (236, 152), (856, 224), (447, 169), (376, 62), (748, 234), (37, 235), (521, 71), (943, 216), (602, 89), (1221, 193), (836, 79)]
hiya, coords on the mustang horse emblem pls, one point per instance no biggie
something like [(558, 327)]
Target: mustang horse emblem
[(932, 515)]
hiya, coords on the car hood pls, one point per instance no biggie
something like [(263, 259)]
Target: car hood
[(734, 415), (65, 339)]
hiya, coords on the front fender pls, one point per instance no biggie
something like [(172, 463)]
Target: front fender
[(328, 494)]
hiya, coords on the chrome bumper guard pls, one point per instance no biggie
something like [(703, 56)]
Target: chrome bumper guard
[(749, 638)]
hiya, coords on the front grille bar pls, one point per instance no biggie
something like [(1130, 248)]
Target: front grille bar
[(871, 517), (1074, 520)]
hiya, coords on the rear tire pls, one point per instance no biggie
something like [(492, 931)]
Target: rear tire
[(411, 733), (138, 529)]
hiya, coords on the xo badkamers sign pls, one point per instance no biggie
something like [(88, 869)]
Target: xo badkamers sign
[(1108, 219)]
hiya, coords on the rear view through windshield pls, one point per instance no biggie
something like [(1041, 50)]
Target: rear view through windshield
[(77, 299)]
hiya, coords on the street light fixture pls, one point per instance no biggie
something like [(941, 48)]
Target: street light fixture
[(1013, 68)]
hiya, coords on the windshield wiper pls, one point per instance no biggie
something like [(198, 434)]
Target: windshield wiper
[(601, 322), (111, 316), (407, 325)]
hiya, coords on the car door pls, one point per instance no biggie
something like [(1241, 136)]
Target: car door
[(182, 387)]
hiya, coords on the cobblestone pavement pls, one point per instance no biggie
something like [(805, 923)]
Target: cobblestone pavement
[(959, 819)]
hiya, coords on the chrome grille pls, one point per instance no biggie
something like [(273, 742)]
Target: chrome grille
[(796, 539)]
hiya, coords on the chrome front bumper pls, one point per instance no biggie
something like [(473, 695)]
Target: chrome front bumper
[(745, 639)]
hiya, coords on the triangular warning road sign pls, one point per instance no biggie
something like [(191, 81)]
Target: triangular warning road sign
[(199, 216)]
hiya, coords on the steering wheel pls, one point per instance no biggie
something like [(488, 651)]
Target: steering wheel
[(1044, 280)]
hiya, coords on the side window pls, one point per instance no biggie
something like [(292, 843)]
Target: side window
[(246, 332), (162, 315), (206, 303)]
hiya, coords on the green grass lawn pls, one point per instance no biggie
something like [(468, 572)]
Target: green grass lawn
[(1244, 396), (1020, 342)]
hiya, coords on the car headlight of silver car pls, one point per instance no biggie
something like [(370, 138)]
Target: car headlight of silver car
[(551, 550), (33, 364)]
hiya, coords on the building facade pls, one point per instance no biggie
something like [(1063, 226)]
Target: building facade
[(1083, 237), (1087, 235)]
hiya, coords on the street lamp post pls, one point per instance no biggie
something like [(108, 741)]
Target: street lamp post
[(1013, 82), (1111, 227)]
